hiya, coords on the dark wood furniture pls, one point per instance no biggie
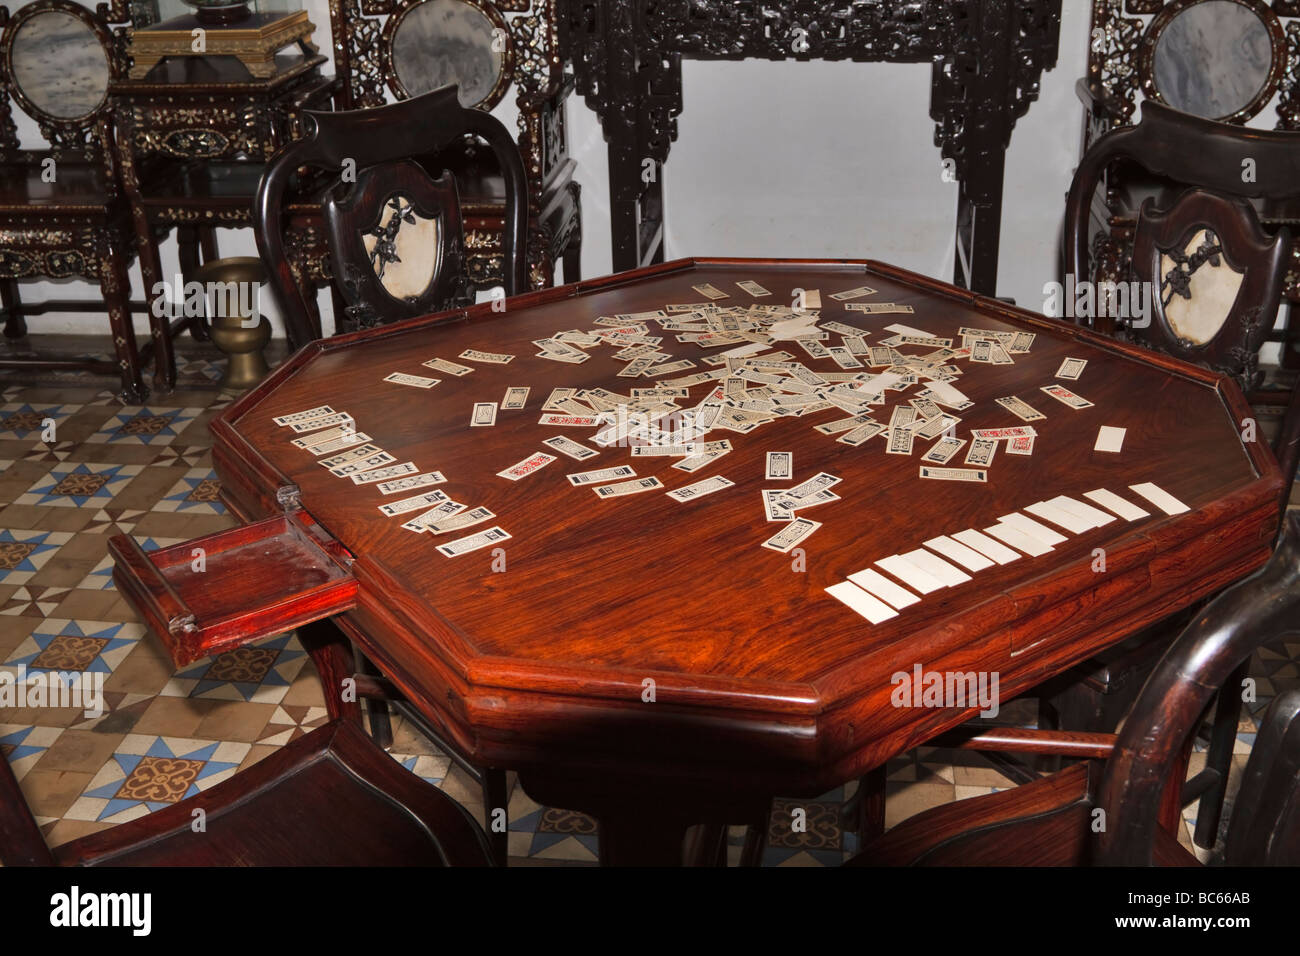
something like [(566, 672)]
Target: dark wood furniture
[(62, 214), (193, 137), (762, 683), (987, 60), (395, 235), (329, 798), (1227, 84), (523, 34), (1053, 821)]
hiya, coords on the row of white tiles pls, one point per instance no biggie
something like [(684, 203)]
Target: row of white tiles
[(877, 598)]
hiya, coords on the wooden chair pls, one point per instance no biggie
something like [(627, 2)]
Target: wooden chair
[(1123, 813), (329, 798), (395, 232), (1219, 278), (396, 251), (62, 213), (492, 49), (1240, 60)]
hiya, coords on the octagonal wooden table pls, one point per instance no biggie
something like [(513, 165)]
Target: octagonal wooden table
[(540, 657)]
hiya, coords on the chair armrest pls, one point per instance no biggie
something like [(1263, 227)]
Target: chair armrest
[(21, 843), (1062, 743)]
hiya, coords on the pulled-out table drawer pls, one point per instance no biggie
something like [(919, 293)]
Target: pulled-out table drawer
[(235, 587)]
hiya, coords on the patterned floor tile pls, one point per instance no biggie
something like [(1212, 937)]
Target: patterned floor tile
[(147, 773), (144, 425), (24, 553), (23, 746), (33, 601), (79, 485), (260, 673), (39, 422), (196, 493), (95, 647), (289, 722), (59, 451), (191, 456), (101, 577)]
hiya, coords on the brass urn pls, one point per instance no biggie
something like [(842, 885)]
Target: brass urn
[(237, 328)]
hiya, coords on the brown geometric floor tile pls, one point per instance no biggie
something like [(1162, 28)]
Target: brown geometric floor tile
[(13, 631), (805, 824), (408, 740), (46, 519), (114, 520), (256, 753), (305, 691), (65, 831), (113, 454), (78, 750), (146, 670), (289, 722), (184, 456), (167, 524), (50, 793), (236, 720), (980, 776), (30, 600), (121, 713), (42, 453), (150, 486), (44, 716), (173, 716), (105, 605), (908, 799)]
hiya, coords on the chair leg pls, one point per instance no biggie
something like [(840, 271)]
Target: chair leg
[(164, 358), (1223, 737), (381, 724), (494, 798), (114, 285), (187, 251), (572, 259), (755, 841), (15, 324), (866, 811), (331, 652)]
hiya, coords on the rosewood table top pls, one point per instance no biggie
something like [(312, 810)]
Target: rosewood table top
[(539, 655)]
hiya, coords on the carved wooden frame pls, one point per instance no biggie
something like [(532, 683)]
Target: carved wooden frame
[(1277, 41), (398, 12), (1247, 249), (352, 214)]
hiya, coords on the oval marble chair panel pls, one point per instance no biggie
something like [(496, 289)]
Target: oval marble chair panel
[(395, 238), (1198, 289), (403, 249), (1219, 59), (59, 63), (429, 44)]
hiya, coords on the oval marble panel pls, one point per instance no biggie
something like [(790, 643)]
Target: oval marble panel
[(446, 41), (1212, 289), (60, 66), (1212, 59)]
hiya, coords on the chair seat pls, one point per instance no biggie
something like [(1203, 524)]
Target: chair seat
[(1047, 822), (330, 798), (80, 187)]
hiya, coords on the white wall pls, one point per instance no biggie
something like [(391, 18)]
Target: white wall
[(799, 159)]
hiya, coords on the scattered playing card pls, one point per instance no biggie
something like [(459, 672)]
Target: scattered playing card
[(485, 413), (1020, 446), (1071, 368), (628, 487), (380, 474), (791, 535), (516, 397), (601, 475), (954, 474), (451, 368), (317, 412), (575, 421), (879, 308), (418, 381), (567, 446), (1066, 397), (857, 293), (492, 358), (1110, 438), (314, 424), (424, 500), (1022, 410), (753, 288), (861, 602), (981, 452), (1160, 498), (475, 541), (411, 482), (709, 292), (780, 464), (526, 467), (700, 488)]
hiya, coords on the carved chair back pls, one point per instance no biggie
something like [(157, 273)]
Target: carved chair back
[(394, 230), (1263, 608), (1215, 278), (1230, 160), (57, 59), (1217, 60)]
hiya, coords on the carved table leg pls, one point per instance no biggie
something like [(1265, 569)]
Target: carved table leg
[(187, 251), (15, 325), (115, 286), (331, 652)]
